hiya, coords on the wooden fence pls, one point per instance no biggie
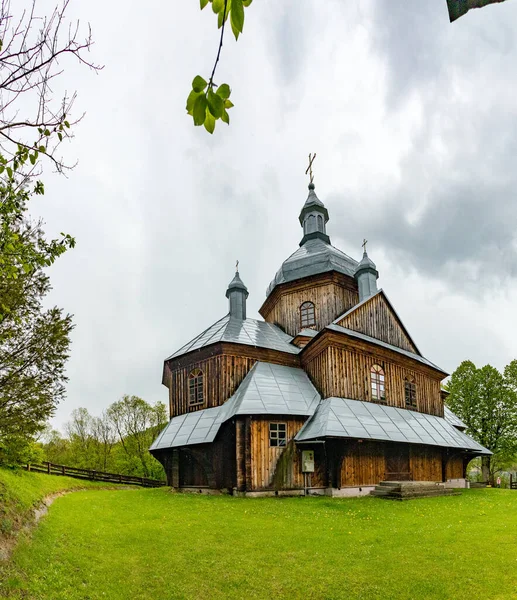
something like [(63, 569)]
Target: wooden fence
[(513, 483), (93, 475)]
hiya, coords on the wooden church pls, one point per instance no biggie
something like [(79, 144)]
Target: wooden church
[(329, 394)]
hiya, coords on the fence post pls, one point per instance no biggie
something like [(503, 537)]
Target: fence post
[(63, 470), (48, 468), (511, 480), (29, 467)]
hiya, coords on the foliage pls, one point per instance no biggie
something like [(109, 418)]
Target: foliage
[(207, 101), (486, 401), (226, 547), (118, 441)]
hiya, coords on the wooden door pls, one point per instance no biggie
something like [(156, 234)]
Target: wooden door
[(397, 463)]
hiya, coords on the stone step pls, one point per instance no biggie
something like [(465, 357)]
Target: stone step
[(407, 490)]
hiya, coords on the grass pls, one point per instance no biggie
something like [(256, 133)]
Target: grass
[(151, 544)]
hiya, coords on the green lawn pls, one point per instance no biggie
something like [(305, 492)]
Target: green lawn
[(151, 544)]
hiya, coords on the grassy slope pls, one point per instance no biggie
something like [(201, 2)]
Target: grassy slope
[(151, 544), (20, 492)]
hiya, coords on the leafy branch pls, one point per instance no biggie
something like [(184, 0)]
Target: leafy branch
[(204, 104)]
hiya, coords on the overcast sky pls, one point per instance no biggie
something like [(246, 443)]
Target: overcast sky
[(414, 123)]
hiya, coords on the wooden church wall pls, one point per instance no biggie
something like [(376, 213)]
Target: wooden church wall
[(274, 467), (426, 463), (330, 300), (374, 318), (362, 464), (454, 469), (222, 375), (345, 373)]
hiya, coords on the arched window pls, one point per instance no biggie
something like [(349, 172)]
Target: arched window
[(320, 223), (377, 379), (307, 315), (410, 392), (195, 387)]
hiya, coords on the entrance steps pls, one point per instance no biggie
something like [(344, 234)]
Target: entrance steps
[(407, 490)]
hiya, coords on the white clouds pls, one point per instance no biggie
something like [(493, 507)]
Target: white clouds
[(413, 121)]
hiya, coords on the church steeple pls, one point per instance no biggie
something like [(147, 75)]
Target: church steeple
[(237, 293), (366, 276), (313, 218)]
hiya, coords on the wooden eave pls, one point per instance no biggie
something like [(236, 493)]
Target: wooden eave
[(327, 338), (230, 349), (299, 284)]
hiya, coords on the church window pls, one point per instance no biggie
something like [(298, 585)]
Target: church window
[(277, 434), (195, 387), (410, 392), (377, 380), (307, 315), (320, 223)]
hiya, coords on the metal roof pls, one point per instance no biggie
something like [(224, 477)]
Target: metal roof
[(266, 390), (367, 338), (313, 257), (344, 418), (307, 333), (453, 419), (248, 331)]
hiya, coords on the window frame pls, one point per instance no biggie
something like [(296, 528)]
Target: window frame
[(410, 393), (377, 383), (307, 310), (275, 429), (196, 387)]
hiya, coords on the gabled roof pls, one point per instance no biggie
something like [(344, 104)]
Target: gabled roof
[(453, 419), (345, 418), (381, 293), (266, 390), (314, 257), (249, 332), (367, 338)]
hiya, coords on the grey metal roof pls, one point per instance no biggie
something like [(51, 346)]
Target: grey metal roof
[(307, 333), (193, 428), (367, 338), (315, 256), (341, 417), (381, 291), (249, 332), (266, 390), (453, 419)]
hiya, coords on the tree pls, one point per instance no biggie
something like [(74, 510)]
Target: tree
[(486, 401), (458, 8), (137, 424)]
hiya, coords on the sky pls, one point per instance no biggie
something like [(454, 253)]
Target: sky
[(414, 123)]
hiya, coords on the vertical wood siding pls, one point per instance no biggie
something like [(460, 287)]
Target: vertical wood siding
[(376, 319), (345, 373), (221, 377), (362, 464), (265, 459), (330, 301), (454, 469), (426, 463)]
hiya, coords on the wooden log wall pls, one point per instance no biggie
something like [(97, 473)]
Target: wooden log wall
[(264, 460), (330, 300), (426, 463), (345, 373), (376, 319)]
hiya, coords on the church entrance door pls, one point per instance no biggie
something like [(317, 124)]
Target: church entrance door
[(397, 463)]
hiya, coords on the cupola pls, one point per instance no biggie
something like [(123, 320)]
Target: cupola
[(366, 275), (313, 218), (237, 293)]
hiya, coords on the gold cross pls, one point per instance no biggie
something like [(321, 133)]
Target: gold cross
[(364, 244), (237, 266), (309, 168)]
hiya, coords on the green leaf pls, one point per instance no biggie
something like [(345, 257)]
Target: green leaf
[(237, 17), (225, 117), (215, 104), (60, 136), (9, 172), (32, 158), (218, 6), (223, 91), (203, 3), (199, 111), (42, 149), (209, 122), (199, 84), (190, 101), (67, 124), (220, 17), (246, 3), (228, 104), (46, 132), (2, 168)]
